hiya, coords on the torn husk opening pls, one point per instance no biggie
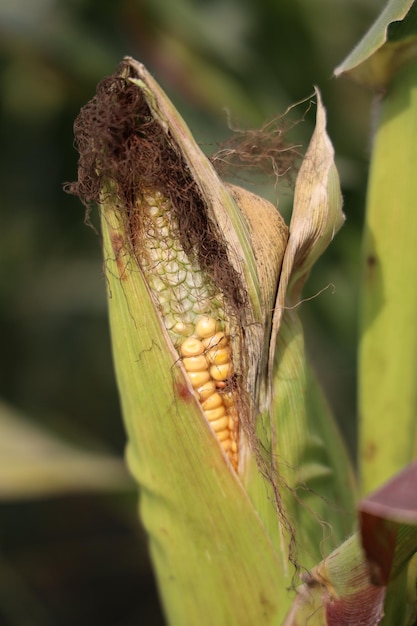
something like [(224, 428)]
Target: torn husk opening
[(120, 141), (130, 156)]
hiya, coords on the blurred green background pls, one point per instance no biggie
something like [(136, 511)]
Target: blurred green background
[(70, 549)]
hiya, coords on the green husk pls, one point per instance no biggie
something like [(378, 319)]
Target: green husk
[(213, 558)]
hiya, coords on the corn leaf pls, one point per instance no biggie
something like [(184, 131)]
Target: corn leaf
[(35, 463), (388, 348), (388, 44)]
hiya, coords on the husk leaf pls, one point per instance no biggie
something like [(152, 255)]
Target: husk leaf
[(213, 558), (316, 217)]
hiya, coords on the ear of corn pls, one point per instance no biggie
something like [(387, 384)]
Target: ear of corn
[(193, 313), (209, 413), (213, 558)]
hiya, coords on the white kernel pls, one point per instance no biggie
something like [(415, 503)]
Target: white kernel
[(156, 283), (195, 279), (172, 266), (183, 259), (159, 219), (182, 305), (154, 210), (181, 328)]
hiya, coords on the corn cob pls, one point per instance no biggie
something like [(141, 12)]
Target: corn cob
[(193, 313)]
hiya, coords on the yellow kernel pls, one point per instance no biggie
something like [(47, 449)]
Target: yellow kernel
[(218, 356), (231, 423), (223, 435), (226, 445), (221, 372), (195, 363), (218, 340), (228, 399), (191, 347), (206, 390), (198, 379), (212, 402), (215, 414), (234, 446), (206, 326), (220, 424)]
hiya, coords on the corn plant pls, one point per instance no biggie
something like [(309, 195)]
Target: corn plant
[(246, 490)]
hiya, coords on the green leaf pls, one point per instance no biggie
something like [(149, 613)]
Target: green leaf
[(35, 463), (388, 346), (390, 42)]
